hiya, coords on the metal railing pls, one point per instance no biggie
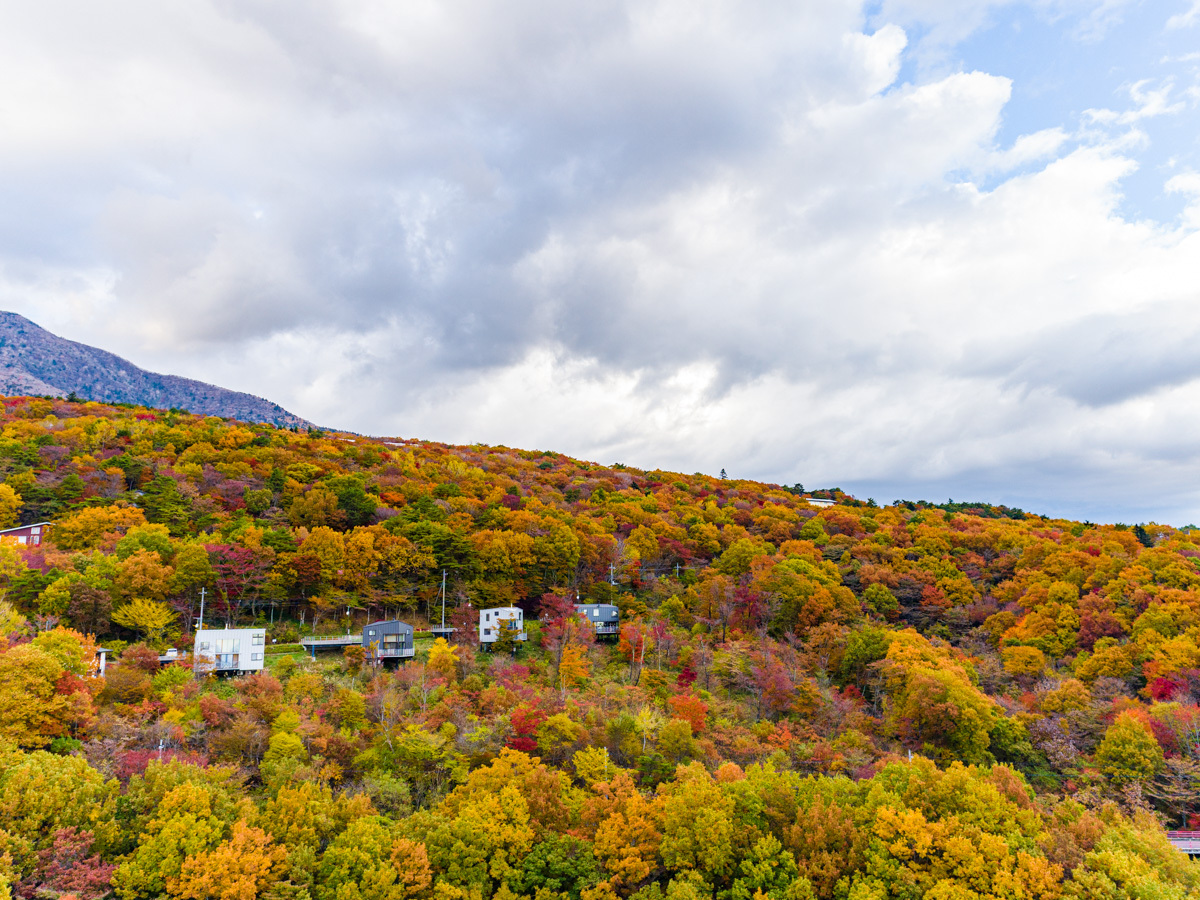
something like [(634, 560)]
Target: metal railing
[(400, 653), (1185, 841)]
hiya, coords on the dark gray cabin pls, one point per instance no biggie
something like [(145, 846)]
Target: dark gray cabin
[(391, 639), (604, 616)]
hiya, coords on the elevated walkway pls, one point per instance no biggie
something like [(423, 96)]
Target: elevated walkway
[(336, 642), (1185, 841)]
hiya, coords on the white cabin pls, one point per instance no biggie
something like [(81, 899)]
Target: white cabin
[(492, 621), (233, 650)]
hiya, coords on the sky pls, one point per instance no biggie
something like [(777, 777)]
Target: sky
[(919, 249)]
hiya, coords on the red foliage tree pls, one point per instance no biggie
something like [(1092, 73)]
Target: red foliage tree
[(563, 625), (69, 868), (240, 573), (691, 709), (525, 722)]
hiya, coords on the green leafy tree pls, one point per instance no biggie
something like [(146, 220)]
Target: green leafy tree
[(184, 825), (164, 504), (42, 792), (561, 864)]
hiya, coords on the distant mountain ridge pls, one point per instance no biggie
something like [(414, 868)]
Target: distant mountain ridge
[(35, 361)]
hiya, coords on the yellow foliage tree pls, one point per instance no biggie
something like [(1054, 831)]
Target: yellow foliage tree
[(75, 652), (933, 700), (1129, 751), (1026, 661), (12, 565), (85, 529), (184, 825), (32, 713), (1106, 662), (241, 868), (951, 859), (11, 621), (572, 668), (143, 574), (443, 659), (10, 505), (698, 825), (149, 617), (628, 834), (361, 560), (329, 547)]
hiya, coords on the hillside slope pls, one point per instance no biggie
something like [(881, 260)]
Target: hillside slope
[(35, 361), (841, 702)]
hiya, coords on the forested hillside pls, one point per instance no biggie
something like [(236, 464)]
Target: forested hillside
[(850, 701)]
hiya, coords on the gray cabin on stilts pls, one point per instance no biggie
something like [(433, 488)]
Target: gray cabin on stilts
[(605, 618), (388, 639)]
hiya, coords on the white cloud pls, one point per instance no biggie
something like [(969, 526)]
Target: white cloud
[(946, 23), (1149, 103), (1185, 19), (674, 234), (1187, 184), (1028, 148)]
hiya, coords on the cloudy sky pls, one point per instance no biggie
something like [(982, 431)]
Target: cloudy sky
[(913, 248)]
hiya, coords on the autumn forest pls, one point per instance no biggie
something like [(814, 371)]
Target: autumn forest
[(804, 700)]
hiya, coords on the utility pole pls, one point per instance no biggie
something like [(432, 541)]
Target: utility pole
[(443, 599), (612, 579), (200, 624)]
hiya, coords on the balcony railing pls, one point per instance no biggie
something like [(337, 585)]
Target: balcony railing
[(395, 653)]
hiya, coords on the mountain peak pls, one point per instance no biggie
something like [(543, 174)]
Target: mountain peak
[(35, 361)]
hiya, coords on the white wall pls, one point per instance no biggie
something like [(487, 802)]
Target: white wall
[(230, 650)]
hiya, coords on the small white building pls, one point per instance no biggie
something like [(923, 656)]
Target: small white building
[(818, 501), (229, 650), (501, 618)]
